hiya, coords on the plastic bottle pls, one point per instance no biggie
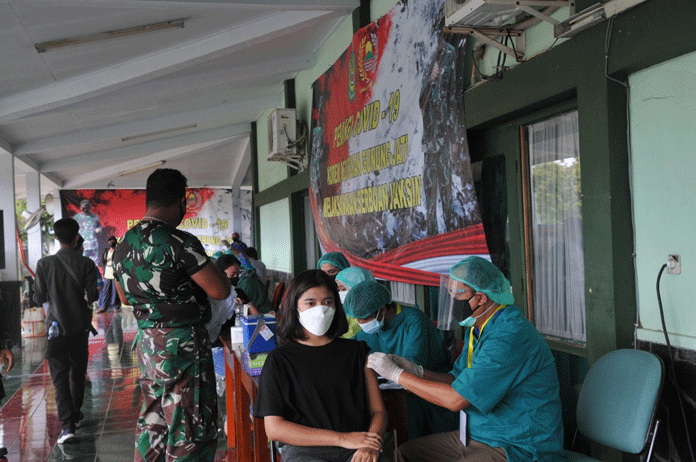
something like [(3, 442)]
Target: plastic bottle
[(53, 331), (238, 315)]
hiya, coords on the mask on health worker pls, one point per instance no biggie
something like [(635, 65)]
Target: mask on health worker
[(317, 319), (372, 326), (471, 320), (342, 295)]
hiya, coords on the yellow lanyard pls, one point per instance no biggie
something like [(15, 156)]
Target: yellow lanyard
[(471, 336)]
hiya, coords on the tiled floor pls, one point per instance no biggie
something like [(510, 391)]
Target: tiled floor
[(29, 425)]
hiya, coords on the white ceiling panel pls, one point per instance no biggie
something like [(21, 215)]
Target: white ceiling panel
[(186, 96)]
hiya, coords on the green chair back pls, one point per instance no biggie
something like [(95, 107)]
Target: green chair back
[(619, 398)]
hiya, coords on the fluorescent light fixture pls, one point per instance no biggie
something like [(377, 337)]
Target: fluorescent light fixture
[(144, 167), (158, 132), (51, 45)]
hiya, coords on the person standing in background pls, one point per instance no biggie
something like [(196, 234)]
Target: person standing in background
[(63, 280), (166, 275), (90, 226), (252, 257), (236, 240), (108, 297)]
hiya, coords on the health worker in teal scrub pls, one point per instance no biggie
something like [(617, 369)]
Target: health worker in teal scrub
[(346, 279), (504, 383), (333, 262), (392, 328)]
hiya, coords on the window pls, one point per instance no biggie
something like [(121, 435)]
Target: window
[(553, 222)]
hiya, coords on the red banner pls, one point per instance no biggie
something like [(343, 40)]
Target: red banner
[(390, 175), (208, 212)]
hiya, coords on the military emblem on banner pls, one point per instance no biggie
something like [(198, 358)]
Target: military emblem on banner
[(367, 62), (351, 76), (194, 201)]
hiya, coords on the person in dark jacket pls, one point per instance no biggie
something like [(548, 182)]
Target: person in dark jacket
[(68, 282)]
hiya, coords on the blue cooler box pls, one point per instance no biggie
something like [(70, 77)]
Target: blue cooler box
[(265, 341)]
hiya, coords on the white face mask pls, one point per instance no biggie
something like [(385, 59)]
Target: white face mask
[(373, 326), (317, 319), (342, 295)]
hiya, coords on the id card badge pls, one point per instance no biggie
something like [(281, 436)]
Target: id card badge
[(462, 427)]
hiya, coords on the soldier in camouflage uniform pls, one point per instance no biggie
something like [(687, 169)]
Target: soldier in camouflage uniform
[(165, 274)]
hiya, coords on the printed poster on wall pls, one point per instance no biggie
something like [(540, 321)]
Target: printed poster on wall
[(208, 213), (390, 175)]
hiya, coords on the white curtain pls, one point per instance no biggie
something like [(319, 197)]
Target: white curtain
[(559, 285), (403, 292)]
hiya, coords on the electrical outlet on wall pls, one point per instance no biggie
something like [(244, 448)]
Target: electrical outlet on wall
[(673, 264)]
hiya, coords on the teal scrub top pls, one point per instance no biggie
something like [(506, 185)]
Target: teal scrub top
[(411, 335), (256, 291), (513, 389)]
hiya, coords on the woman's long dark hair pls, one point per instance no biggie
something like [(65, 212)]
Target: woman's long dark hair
[(289, 327)]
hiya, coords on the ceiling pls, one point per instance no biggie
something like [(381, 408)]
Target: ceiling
[(84, 114)]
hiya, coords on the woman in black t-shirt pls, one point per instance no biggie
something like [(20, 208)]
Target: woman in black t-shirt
[(316, 394)]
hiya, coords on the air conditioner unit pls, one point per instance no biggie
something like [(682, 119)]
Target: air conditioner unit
[(496, 13), (283, 140), (282, 132), (478, 13)]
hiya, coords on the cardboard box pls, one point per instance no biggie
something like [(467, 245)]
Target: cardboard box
[(252, 363), (265, 340), (236, 335)]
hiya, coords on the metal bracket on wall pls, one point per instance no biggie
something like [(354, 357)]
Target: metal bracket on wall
[(489, 35)]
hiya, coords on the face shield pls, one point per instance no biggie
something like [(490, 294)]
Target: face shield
[(453, 303)]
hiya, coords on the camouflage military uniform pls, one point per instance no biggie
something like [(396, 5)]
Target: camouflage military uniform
[(178, 420)]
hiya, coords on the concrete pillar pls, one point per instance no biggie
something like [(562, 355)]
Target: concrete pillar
[(57, 215), (7, 205), (34, 234)]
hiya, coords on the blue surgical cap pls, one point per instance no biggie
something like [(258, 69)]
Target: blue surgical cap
[(366, 298), (336, 259), (483, 276), (352, 276)]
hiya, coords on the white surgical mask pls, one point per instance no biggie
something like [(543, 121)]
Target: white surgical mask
[(372, 326), (342, 295), (317, 319)]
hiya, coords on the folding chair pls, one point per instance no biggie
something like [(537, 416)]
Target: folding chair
[(618, 402)]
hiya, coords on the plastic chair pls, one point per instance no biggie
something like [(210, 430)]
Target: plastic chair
[(618, 402)]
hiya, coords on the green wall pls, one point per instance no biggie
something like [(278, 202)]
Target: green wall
[(275, 236), (663, 140)]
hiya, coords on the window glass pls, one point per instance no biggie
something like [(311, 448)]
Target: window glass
[(558, 304)]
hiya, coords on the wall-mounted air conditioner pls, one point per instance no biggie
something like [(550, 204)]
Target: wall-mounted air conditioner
[(284, 140), (282, 132), (478, 13)]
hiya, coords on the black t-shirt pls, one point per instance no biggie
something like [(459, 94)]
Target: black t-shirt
[(319, 387)]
